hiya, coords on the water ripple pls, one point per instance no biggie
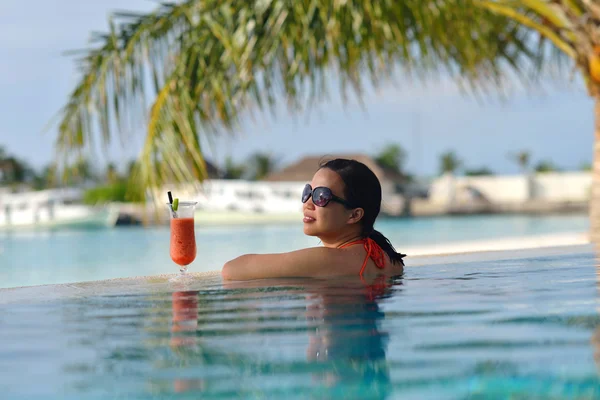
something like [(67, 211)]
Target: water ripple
[(520, 328)]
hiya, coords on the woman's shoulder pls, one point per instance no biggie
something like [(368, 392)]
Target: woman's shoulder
[(329, 261), (320, 253), (312, 261)]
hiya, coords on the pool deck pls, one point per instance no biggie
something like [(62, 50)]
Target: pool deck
[(502, 244), (514, 248)]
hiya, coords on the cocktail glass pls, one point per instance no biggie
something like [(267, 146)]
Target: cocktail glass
[(183, 238)]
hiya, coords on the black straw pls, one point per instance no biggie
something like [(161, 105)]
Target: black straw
[(171, 204)]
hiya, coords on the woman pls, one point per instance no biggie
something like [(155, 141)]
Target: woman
[(340, 207)]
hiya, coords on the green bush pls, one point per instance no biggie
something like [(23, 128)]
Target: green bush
[(117, 192)]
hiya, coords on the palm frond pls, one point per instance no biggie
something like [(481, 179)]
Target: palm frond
[(192, 69), (517, 15)]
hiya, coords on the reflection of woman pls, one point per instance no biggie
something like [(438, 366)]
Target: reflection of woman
[(346, 351), (347, 339)]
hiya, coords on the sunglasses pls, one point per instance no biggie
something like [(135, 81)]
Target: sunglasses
[(321, 196)]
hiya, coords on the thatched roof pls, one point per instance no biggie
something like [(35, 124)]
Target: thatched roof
[(304, 169)]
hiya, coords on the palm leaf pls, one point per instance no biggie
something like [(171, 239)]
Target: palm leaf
[(547, 32), (193, 69)]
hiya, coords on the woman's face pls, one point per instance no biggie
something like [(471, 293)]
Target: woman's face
[(332, 219)]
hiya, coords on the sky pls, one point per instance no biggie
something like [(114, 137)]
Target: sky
[(555, 123)]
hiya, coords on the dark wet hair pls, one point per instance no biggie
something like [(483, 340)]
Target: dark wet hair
[(364, 190)]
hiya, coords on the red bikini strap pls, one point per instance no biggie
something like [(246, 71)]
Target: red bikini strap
[(359, 241), (375, 252)]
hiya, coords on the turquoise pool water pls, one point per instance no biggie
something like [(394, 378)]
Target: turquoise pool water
[(522, 328), (38, 258)]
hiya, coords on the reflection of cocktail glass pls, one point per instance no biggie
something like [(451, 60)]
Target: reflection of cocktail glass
[(183, 239), (184, 336)]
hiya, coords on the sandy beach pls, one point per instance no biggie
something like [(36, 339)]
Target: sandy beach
[(512, 243)]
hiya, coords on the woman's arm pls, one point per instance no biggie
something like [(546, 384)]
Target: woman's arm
[(311, 262)]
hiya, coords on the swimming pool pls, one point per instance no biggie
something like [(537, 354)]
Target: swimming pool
[(37, 258), (522, 324)]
